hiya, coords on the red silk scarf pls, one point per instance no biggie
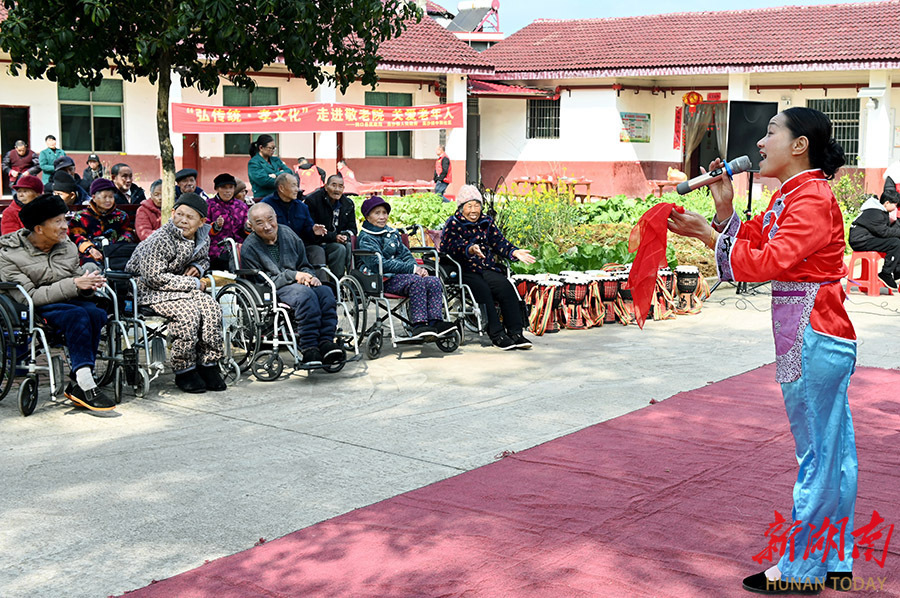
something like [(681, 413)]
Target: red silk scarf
[(648, 238)]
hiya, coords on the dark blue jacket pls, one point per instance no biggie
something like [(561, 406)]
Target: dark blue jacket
[(459, 234), (396, 258), (294, 214)]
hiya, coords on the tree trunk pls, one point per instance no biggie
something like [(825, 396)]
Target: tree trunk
[(166, 152)]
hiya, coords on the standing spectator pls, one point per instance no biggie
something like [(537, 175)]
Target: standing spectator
[(93, 172), (264, 166), (44, 261), (100, 218), (351, 185), (125, 190), (442, 176), (293, 213), (170, 266), (229, 220), (330, 207), (27, 187), (149, 216), (311, 176), (873, 231), (18, 162), (48, 156), (186, 182)]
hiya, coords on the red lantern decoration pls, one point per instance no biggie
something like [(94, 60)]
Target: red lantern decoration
[(692, 98)]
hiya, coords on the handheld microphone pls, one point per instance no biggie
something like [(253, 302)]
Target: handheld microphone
[(741, 164)]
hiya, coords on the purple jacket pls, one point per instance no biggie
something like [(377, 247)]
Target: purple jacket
[(234, 213)]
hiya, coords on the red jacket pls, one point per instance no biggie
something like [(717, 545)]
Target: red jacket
[(440, 176), (11, 222), (147, 219)]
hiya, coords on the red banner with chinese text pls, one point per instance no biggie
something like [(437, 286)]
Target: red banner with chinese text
[(195, 118)]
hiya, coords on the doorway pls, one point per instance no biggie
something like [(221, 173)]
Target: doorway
[(14, 125), (473, 143)]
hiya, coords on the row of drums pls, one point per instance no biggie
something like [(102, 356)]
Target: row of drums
[(579, 300)]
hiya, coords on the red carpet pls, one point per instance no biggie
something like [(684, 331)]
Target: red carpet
[(671, 500)]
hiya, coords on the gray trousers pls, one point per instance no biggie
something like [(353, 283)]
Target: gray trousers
[(335, 255)]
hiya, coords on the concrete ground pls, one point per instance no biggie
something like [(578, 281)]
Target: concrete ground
[(92, 506)]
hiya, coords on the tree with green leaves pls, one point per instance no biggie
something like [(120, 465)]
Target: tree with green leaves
[(73, 42)]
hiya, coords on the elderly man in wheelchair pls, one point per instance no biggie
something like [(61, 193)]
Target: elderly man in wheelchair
[(278, 252), (41, 260)]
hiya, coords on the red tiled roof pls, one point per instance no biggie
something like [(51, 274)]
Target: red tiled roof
[(429, 47), (702, 42), (433, 8), (488, 88)]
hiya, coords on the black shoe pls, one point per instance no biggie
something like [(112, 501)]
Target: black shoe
[(332, 352), (311, 356), (212, 377), (423, 332), (190, 381), (888, 280), (93, 399), (841, 581), (760, 584), (520, 341), (504, 342), (445, 329)]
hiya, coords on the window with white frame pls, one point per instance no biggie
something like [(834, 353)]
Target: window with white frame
[(239, 143), (542, 119), (844, 115), (91, 121)]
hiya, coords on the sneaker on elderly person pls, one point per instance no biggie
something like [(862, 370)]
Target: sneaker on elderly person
[(190, 381), (503, 342), (212, 377), (444, 328), (423, 332), (331, 352), (93, 399), (520, 341), (311, 356)]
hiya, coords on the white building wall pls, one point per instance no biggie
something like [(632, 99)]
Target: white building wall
[(40, 97), (423, 142)]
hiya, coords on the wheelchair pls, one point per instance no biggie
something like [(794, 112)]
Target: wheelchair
[(460, 299), (370, 288), (25, 339), (260, 327), (140, 340)]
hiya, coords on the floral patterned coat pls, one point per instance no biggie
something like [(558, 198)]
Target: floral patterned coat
[(160, 262), (88, 224), (459, 234)]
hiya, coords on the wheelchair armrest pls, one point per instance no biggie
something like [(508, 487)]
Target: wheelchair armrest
[(118, 275), (365, 253), (8, 286), (246, 272)]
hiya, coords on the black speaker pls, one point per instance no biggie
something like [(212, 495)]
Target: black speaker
[(747, 124)]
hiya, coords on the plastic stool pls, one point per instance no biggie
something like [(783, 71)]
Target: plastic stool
[(868, 280)]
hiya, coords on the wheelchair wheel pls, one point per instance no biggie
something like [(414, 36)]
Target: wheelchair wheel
[(334, 368), (28, 395), (231, 371), (373, 344), (118, 384), (355, 300), (241, 323), (448, 344), (8, 357), (142, 386), (267, 366), (104, 364)]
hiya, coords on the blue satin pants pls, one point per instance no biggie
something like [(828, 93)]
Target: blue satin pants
[(819, 414)]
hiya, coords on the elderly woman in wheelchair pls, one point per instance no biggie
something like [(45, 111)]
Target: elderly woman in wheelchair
[(279, 254), (42, 262), (402, 274), (170, 264)]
